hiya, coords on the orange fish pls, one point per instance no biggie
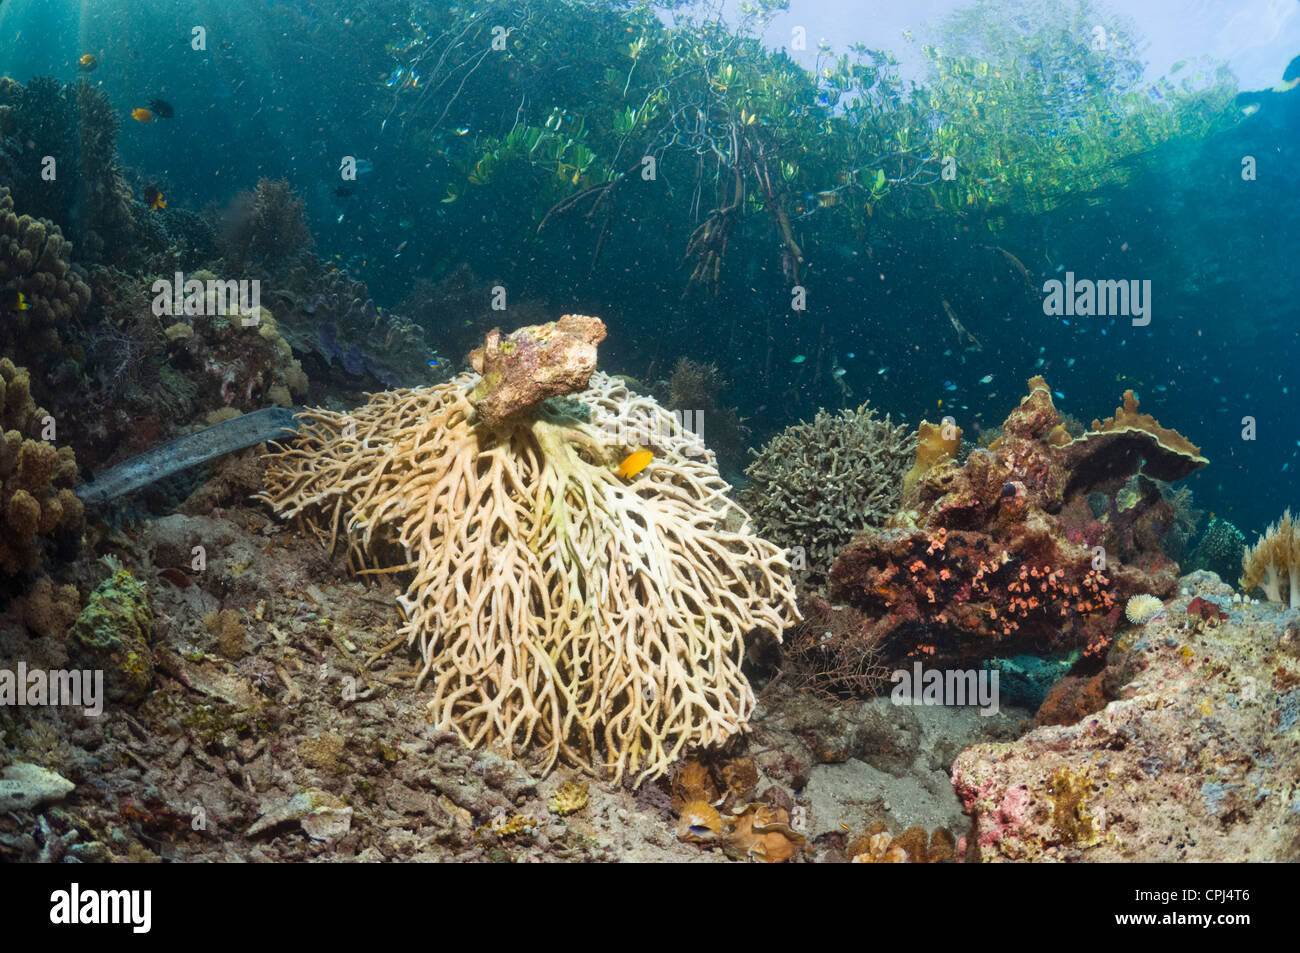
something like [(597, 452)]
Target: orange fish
[(154, 198), (88, 63), (635, 463), (141, 115)]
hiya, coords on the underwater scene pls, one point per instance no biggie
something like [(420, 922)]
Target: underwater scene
[(819, 431)]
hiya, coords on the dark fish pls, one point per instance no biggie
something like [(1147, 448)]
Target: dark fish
[(345, 191), (162, 109), (153, 197)]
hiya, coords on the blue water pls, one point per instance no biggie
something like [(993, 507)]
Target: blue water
[(285, 89)]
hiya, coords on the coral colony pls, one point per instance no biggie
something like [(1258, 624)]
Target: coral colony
[(287, 573), (558, 607)]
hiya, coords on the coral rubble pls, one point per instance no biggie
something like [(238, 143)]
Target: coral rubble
[(558, 608), (818, 483)]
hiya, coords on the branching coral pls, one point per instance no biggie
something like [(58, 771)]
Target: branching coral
[(36, 479), (1275, 555), (557, 606), (1220, 550), (817, 484)]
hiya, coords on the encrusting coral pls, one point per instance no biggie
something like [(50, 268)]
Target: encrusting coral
[(818, 484), (1023, 547), (559, 607), (36, 479), (1275, 555)]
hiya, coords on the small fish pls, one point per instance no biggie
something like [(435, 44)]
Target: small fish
[(462, 130), (635, 463), (851, 354), (798, 359), (435, 363), (949, 385), (838, 372), (153, 198), (883, 370), (345, 191), (88, 63), (406, 223), (1038, 363), (1058, 395), (1069, 362), (986, 379), (340, 220), (11, 299), (399, 250), (141, 115), (162, 109)]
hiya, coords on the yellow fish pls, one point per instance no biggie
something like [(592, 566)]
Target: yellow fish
[(141, 115), (635, 463)]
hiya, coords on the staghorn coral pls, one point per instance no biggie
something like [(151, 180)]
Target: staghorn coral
[(1273, 561), (36, 479), (35, 260), (1023, 548), (558, 607), (818, 484)]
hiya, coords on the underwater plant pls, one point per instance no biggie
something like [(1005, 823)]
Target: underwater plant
[(559, 607)]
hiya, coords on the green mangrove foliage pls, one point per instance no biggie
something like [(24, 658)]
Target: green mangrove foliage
[(570, 108)]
